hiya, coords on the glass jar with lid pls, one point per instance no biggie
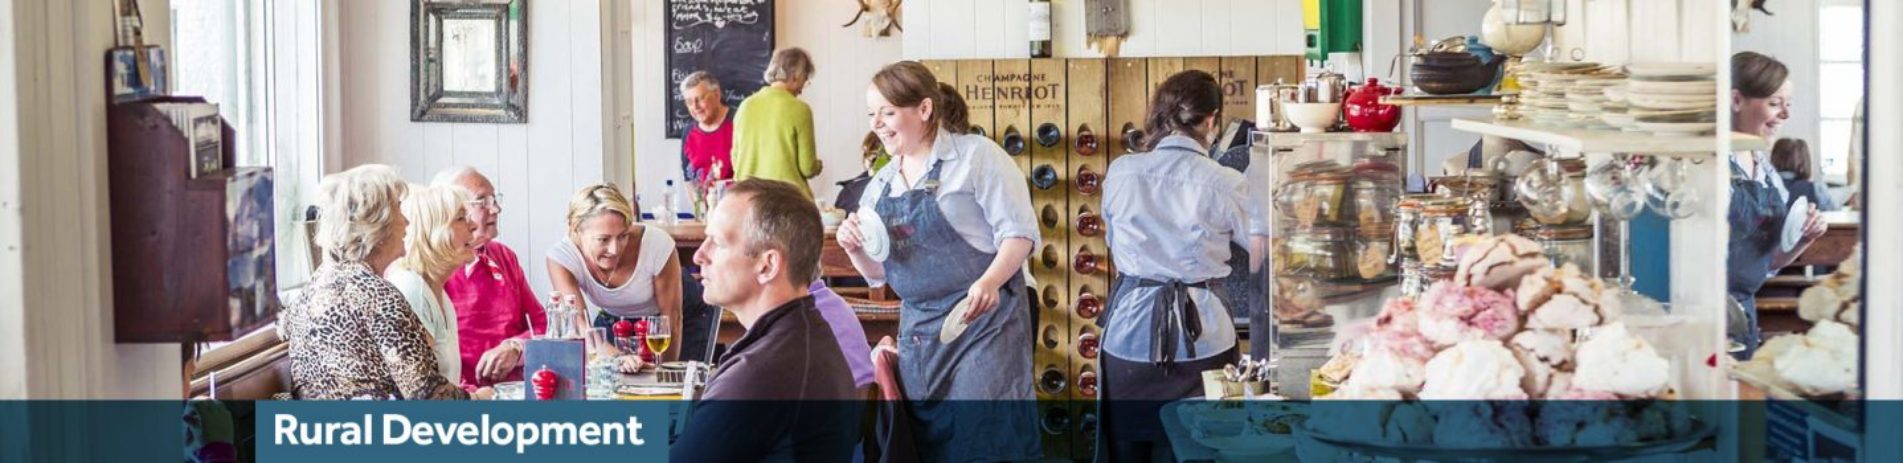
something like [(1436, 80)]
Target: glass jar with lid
[(1324, 253), (1373, 253), (1374, 203), (1442, 219), (1407, 218), (1319, 193), (1564, 244)]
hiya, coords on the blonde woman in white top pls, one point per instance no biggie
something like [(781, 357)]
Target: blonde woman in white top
[(612, 263), (438, 241)]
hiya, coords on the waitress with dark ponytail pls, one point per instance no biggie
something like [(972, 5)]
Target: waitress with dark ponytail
[(1171, 214)]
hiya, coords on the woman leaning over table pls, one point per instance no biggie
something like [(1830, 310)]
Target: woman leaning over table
[(351, 334), (625, 269), (437, 242), (959, 219), (1760, 103), (1170, 215)]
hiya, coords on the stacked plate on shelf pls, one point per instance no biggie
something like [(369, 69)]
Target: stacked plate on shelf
[(1678, 99), (1587, 103), (1546, 92)]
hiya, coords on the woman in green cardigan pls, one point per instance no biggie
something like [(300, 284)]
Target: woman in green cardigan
[(773, 133)]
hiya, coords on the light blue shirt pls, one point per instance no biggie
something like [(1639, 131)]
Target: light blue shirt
[(980, 191), (1170, 215)]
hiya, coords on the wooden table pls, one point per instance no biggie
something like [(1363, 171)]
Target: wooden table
[(833, 261), (1841, 237), (833, 264)]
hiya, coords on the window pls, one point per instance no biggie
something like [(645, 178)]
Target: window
[(261, 62), (1840, 68)]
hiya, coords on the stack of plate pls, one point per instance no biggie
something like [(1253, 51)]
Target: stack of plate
[(1544, 87), (1679, 99), (1587, 103)]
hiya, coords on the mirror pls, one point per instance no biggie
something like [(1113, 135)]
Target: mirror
[(469, 61)]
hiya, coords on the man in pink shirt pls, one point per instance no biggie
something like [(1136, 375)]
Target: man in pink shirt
[(707, 147), (494, 303)]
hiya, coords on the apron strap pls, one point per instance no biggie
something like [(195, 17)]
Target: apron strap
[(1173, 316)]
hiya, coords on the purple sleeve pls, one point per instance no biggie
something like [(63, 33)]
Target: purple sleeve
[(847, 330)]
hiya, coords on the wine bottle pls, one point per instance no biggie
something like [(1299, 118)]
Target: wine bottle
[(1040, 28)]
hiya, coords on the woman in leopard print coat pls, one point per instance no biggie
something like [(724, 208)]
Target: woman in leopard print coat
[(351, 334)]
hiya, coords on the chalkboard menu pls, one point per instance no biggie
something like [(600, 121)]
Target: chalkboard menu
[(731, 38)]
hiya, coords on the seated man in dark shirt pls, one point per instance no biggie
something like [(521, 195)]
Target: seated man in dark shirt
[(783, 391)]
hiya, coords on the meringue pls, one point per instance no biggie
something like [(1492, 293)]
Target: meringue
[(1565, 298), (1383, 368), (1482, 369), (1451, 314), (1499, 262), (1614, 361), (1823, 361), (1544, 354)]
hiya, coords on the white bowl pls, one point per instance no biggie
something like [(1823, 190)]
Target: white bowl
[(1313, 117)]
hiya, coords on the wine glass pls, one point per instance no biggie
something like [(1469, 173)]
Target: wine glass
[(660, 335)]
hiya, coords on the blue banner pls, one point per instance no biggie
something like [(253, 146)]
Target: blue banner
[(332, 431)]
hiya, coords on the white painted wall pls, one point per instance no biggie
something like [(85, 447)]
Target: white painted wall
[(845, 61), (55, 290), (944, 29), (536, 166)]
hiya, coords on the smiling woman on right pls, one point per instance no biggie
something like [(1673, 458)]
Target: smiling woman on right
[(1760, 104)]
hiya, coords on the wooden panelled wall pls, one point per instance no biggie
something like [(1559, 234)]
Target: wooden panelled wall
[(1017, 97)]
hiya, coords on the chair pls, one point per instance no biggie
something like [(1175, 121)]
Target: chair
[(891, 439)]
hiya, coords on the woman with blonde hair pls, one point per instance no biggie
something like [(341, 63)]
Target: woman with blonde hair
[(625, 269), (439, 240), (351, 334)]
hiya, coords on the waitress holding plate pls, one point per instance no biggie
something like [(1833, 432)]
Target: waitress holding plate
[(951, 225), (1760, 205)]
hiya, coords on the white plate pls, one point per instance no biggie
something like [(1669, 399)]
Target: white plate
[(1703, 87), (1794, 224), (955, 321), (877, 243), (1671, 102), (1677, 129), (1671, 69)]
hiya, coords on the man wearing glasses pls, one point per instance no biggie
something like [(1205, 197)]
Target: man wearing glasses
[(494, 303)]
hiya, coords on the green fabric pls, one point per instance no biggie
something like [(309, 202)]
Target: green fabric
[(773, 139)]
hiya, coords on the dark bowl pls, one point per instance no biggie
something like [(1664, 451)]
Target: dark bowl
[(1452, 81), (1447, 59)]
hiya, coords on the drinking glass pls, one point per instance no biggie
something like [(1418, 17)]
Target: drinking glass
[(660, 334)]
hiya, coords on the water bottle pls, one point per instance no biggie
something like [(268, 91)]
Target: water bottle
[(666, 212)]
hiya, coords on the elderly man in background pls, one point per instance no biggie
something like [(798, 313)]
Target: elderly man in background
[(761, 252), (707, 147), (494, 303), (773, 134)]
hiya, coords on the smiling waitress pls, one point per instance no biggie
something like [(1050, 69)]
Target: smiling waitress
[(1760, 103), (959, 218)]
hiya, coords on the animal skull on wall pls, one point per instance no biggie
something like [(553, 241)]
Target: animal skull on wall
[(882, 17)]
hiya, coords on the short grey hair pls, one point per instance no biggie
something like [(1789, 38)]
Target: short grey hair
[(357, 210), (700, 77), (789, 65), (456, 174)]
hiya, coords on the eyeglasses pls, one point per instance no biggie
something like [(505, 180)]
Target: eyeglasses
[(492, 200)]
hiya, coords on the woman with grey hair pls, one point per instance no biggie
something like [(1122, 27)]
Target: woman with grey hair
[(773, 134), (351, 334)]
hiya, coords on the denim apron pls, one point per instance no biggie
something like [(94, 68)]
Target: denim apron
[(1757, 219), (971, 397)]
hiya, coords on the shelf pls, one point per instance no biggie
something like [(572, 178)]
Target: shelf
[(1601, 141), (1297, 139), (1442, 100)]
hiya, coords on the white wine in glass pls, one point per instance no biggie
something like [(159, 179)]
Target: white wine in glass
[(660, 333)]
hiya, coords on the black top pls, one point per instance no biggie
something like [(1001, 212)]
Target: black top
[(783, 391)]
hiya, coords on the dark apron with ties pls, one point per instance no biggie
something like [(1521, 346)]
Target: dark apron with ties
[(1133, 391), (972, 397), (1757, 220)]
